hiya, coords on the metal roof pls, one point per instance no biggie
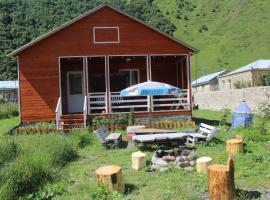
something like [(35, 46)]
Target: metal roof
[(88, 13), (258, 64), (9, 85), (205, 79)]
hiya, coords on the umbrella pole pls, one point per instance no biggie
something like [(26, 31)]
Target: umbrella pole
[(150, 112)]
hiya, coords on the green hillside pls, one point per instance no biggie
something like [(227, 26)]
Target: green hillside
[(228, 33)]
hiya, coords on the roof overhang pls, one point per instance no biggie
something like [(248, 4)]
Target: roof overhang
[(17, 51)]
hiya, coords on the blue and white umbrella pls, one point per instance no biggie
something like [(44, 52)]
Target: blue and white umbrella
[(150, 88)]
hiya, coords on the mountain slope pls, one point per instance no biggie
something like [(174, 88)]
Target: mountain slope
[(228, 33)]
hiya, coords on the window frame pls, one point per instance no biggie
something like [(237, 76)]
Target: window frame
[(131, 70)]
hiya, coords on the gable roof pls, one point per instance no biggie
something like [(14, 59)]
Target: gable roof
[(14, 53), (258, 64), (4, 85), (205, 79)]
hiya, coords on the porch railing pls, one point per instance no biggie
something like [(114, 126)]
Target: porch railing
[(97, 103), (120, 104), (58, 113), (171, 102)]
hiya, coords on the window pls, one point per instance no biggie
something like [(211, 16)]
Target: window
[(131, 76), (75, 83), (103, 35)]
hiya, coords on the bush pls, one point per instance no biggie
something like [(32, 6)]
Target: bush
[(24, 175), (81, 139), (39, 161), (8, 110), (8, 150), (102, 193)]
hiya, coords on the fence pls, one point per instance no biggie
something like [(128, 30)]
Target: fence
[(217, 100)]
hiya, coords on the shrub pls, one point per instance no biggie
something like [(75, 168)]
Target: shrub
[(81, 139), (8, 150), (102, 193), (24, 175), (119, 119), (264, 112), (39, 161)]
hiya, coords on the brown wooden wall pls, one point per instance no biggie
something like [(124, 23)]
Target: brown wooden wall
[(39, 68)]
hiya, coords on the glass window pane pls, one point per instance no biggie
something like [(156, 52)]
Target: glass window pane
[(134, 77), (75, 84)]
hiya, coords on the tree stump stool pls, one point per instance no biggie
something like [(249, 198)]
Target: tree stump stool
[(235, 146), (111, 177), (221, 184), (138, 160), (203, 163)]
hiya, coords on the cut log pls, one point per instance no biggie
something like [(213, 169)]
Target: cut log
[(221, 184), (111, 177), (138, 160), (235, 146), (203, 163)]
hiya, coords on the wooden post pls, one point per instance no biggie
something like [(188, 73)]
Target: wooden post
[(235, 146), (221, 184), (111, 177)]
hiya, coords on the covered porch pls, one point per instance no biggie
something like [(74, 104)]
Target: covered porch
[(92, 84)]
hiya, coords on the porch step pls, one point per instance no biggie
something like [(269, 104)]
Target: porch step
[(72, 121)]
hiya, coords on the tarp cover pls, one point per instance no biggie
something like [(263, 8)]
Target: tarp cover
[(242, 116)]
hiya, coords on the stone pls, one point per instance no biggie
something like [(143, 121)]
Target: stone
[(184, 164), (192, 163), (168, 158), (189, 169), (180, 159), (186, 152), (169, 151), (192, 156), (159, 161)]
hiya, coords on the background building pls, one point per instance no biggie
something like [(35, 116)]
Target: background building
[(9, 91), (253, 74), (208, 82)]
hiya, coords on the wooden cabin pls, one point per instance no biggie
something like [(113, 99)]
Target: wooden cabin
[(79, 69)]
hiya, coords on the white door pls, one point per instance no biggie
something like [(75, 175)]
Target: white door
[(75, 91)]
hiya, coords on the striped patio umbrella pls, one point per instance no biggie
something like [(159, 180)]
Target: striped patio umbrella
[(150, 88)]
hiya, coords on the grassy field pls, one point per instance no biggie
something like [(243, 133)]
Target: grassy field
[(229, 34), (252, 170)]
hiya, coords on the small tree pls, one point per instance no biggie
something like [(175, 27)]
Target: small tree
[(264, 112)]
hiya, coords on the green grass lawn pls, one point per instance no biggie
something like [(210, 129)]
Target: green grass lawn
[(6, 124), (209, 114), (252, 170)]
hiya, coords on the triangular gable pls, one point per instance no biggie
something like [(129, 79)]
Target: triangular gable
[(14, 53)]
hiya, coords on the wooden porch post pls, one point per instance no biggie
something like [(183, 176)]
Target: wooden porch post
[(189, 81), (149, 78), (107, 77), (86, 82)]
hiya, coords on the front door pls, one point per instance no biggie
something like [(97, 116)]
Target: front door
[(75, 91)]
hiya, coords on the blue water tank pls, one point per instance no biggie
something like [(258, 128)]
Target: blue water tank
[(242, 116)]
